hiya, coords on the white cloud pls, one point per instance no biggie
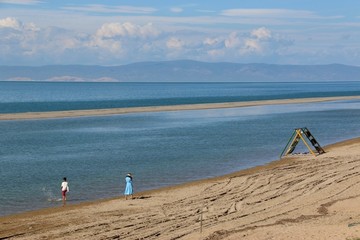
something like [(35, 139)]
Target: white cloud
[(174, 43), (261, 33), (70, 43), (107, 41), (17, 25), (112, 9), (110, 30), (22, 2), (25, 43), (127, 42), (255, 42), (10, 23), (113, 46), (110, 42), (274, 13), (176, 10), (232, 41), (259, 41), (211, 41), (252, 45)]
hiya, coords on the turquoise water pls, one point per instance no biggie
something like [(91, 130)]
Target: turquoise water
[(160, 148)]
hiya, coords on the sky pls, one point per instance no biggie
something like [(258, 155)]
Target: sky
[(301, 32)]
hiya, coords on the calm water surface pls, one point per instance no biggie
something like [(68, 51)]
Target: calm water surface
[(160, 148), (44, 96)]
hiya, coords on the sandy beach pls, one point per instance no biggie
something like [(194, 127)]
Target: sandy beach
[(113, 111), (297, 197)]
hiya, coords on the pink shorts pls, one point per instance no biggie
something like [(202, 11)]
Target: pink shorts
[(64, 193)]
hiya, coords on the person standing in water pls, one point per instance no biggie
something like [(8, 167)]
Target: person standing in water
[(64, 190), (128, 187)]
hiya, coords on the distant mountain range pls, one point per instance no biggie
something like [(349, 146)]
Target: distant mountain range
[(182, 71)]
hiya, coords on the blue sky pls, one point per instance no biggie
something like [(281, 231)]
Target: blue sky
[(40, 32)]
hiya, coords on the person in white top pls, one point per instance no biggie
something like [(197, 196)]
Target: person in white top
[(64, 190)]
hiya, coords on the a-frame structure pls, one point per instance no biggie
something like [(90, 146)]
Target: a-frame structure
[(298, 134)]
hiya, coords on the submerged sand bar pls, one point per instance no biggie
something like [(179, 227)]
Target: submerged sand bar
[(114, 111)]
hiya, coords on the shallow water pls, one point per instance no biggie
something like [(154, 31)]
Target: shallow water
[(159, 148)]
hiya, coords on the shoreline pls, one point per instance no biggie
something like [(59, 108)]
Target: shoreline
[(245, 171), (186, 199), (140, 194), (202, 106)]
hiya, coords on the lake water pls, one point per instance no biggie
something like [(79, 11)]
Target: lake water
[(45, 96), (159, 148)]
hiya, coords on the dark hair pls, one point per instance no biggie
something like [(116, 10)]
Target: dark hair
[(64, 179)]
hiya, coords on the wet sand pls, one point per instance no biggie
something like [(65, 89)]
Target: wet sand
[(297, 197), (114, 111)]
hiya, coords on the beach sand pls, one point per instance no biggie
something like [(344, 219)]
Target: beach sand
[(113, 111), (297, 197)]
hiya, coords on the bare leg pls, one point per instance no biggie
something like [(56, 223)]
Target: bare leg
[(64, 200)]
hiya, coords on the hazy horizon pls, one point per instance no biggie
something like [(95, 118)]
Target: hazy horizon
[(182, 71)]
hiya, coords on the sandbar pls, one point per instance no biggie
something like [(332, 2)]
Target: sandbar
[(115, 111)]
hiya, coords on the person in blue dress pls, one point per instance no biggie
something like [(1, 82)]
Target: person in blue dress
[(128, 187)]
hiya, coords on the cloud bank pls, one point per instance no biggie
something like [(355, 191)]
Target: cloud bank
[(117, 35), (123, 42)]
